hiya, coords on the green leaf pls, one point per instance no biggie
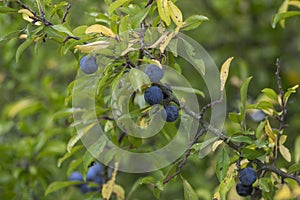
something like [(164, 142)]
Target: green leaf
[(270, 93), (294, 168), (243, 93), (193, 22), (189, 193), (138, 79), (280, 16), (7, 10), (289, 92), (22, 47), (189, 90), (63, 29), (242, 138), (235, 117), (60, 185), (251, 153), (205, 147), (297, 149), (115, 5), (223, 162), (68, 154), (264, 184)]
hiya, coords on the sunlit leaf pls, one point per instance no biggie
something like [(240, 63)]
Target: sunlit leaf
[(224, 72), (175, 13), (281, 16), (193, 22), (285, 152), (269, 132), (163, 11), (289, 92), (97, 28), (294, 3), (270, 93), (283, 193), (115, 5), (20, 105), (87, 48), (28, 16)]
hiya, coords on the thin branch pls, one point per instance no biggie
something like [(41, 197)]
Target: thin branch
[(210, 105), (281, 93), (271, 168), (185, 157), (36, 17), (70, 37), (66, 13), (142, 39), (149, 3)]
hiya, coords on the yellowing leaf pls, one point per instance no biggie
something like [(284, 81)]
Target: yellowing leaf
[(282, 9), (269, 132), (108, 187), (97, 28), (87, 48), (163, 11), (119, 191), (175, 13), (283, 193), (19, 106), (294, 3), (282, 139), (166, 42), (224, 72), (285, 152), (28, 16), (216, 144)]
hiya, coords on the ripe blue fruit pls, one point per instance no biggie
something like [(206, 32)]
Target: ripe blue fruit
[(154, 72), (88, 64), (247, 176), (75, 176), (171, 113), (95, 173), (243, 190), (153, 95)]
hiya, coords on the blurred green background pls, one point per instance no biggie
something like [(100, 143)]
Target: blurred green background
[(34, 90)]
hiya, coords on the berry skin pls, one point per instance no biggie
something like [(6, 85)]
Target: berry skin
[(154, 72), (76, 176), (243, 190), (171, 113), (247, 176), (88, 64), (153, 95), (95, 173)]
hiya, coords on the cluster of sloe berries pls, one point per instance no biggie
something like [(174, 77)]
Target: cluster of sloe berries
[(154, 94), (95, 174), (88, 64), (247, 177)]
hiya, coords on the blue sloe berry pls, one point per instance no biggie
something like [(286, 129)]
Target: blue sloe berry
[(88, 64), (153, 95), (247, 176), (76, 176), (243, 190), (154, 72), (171, 113)]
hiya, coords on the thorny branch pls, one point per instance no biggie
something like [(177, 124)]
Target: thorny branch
[(222, 136), (186, 155)]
